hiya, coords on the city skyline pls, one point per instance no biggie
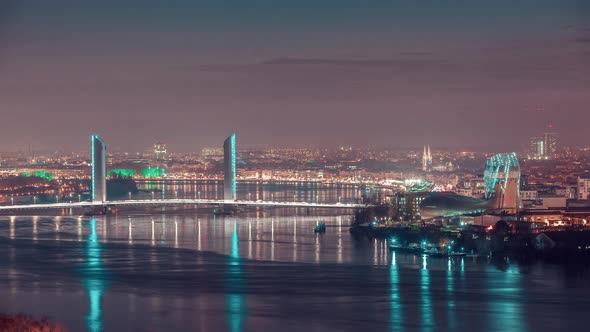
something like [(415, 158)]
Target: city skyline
[(462, 75), (282, 165), (158, 146)]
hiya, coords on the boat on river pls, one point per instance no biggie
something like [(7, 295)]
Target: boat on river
[(320, 228), (413, 248)]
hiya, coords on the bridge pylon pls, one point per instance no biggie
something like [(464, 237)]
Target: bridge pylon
[(229, 168), (99, 169)]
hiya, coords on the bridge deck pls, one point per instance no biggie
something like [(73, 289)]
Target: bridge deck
[(68, 205)]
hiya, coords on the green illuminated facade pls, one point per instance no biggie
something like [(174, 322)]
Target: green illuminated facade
[(122, 172), (40, 174), (420, 187), (153, 172)]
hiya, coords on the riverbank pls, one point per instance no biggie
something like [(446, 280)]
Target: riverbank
[(564, 245)]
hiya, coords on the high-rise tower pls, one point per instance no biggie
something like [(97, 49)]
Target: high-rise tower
[(543, 147), (229, 168), (99, 182), (160, 151), (536, 148), (426, 159), (550, 143)]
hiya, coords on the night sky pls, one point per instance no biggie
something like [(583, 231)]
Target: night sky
[(391, 73)]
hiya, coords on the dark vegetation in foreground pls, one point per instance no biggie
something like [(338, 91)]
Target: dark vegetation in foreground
[(25, 323)]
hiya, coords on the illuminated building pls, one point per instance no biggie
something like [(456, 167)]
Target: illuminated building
[(40, 174), (529, 195), (408, 204), (211, 152), (502, 181), (122, 172), (502, 192), (153, 172), (544, 147), (99, 182), (583, 188), (449, 204), (160, 151), (536, 148), (229, 168), (550, 143), (427, 160), (420, 187)]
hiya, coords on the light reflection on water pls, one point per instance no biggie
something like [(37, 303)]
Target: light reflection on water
[(396, 318), (260, 270), (451, 305), (92, 271), (235, 292), (427, 311), (277, 191)]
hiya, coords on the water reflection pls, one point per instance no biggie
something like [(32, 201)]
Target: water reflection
[(396, 314), (451, 306), (199, 247), (152, 287), (234, 283), (92, 277), (11, 235), (35, 220), (279, 191), (506, 300), (427, 312)]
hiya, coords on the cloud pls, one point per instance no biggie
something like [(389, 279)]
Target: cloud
[(419, 54), (582, 40), (352, 62)]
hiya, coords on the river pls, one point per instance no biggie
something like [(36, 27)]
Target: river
[(264, 270)]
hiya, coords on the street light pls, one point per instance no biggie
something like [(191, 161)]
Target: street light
[(129, 194), (199, 194), (79, 198), (176, 193), (12, 200), (34, 199), (57, 198), (152, 195)]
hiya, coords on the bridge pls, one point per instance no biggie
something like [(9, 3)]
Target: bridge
[(99, 201), (165, 202)]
